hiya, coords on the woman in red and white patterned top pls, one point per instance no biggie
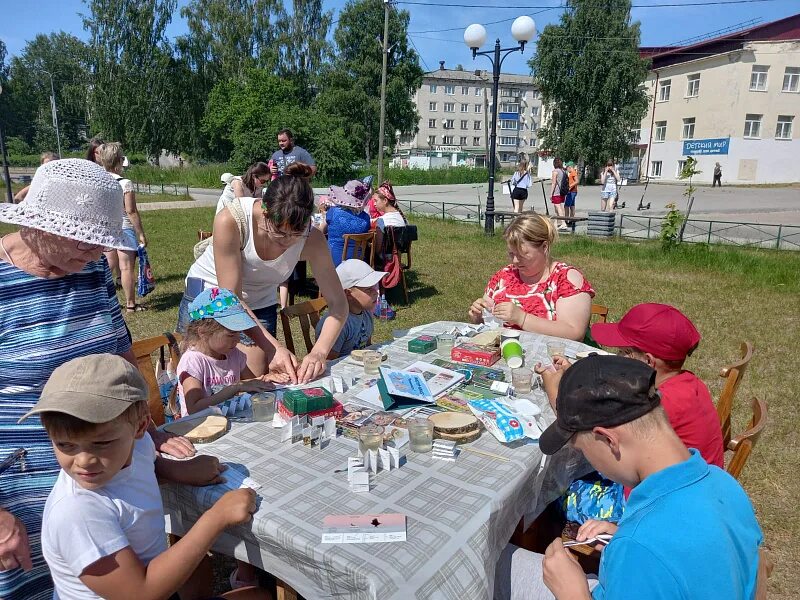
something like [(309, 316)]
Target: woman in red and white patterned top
[(535, 292)]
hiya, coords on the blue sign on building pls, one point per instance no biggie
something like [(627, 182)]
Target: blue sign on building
[(714, 146)]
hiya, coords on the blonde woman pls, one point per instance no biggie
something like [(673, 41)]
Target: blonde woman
[(520, 182), (110, 157), (536, 292)]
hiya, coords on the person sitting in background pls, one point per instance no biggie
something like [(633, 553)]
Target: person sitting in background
[(391, 215), (347, 216), (689, 529), (536, 292), (249, 185), (103, 527), (45, 158), (360, 283)]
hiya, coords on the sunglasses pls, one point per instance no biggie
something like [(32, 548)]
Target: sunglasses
[(283, 235)]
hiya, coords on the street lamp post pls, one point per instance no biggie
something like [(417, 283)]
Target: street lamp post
[(383, 88), (53, 109), (523, 29), (6, 174)]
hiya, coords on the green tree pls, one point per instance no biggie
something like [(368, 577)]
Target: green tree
[(133, 96), (351, 86), (591, 78)]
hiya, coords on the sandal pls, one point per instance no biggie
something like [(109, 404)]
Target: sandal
[(135, 308)]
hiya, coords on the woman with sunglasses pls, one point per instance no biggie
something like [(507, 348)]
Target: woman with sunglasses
[(249, 185), (57, 302), (277, 234)]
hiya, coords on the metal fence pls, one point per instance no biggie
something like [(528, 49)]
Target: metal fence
[(174, 189), (446, 210), (759, 235)]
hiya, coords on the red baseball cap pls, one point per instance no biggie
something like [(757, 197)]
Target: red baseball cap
[(659, 329)]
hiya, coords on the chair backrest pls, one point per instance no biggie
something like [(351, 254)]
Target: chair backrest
[(402, 236), (742, 445), (203, 235), (143, 350), (599, 311), (765, 566), (308, 315), (733, 377), (362, 244)]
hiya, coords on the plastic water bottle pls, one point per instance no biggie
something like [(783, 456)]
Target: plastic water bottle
[(383, 306)]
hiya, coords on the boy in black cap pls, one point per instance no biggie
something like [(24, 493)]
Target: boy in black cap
[(689, 530)]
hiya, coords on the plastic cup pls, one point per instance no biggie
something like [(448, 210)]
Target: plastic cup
[(420, 434), (554, 348), (372, 362), (263, 406), (522, 380), (445, 343), (512, 353), (370, 437)]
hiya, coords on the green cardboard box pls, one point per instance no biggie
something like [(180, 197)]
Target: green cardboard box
[(422, 344), (307, 400)]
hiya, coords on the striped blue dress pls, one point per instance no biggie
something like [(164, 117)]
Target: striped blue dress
[(43, 324)]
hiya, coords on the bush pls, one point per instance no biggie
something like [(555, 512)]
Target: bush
[(200, 176), (444, 176)]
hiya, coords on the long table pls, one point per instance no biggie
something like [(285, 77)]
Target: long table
[(459, 515)]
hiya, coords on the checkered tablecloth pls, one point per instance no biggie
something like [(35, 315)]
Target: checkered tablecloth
[(459, 515)]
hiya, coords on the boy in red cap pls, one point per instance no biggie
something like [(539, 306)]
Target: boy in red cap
[(663, 337)]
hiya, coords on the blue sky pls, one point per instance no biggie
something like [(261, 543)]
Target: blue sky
[(21, 20)]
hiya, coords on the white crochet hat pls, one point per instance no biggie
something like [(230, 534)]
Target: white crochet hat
[(75, 199)]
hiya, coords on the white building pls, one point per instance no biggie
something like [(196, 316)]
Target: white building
[(733, 99)]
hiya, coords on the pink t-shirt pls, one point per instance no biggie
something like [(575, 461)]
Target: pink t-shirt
[(214, 374)]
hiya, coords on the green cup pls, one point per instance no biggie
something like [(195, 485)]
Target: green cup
[(511, 350)]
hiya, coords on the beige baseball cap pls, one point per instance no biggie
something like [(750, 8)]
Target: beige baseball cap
[(96, 388)]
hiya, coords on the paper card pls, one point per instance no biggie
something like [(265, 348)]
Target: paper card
[(353, 463), (371, 460), (292, 431), (235, 479), (397, 456), (338, 385), (278, 421), (500, 387), (384, 459), (329, 428), (359, 480), (395, 436), (311, 435), (353, 529)]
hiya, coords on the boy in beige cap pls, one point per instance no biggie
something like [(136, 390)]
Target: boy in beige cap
[(103, 528)]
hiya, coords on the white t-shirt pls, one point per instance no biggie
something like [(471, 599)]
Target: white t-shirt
[(81, 526), (215, 374), (127, 186), (391, 219)]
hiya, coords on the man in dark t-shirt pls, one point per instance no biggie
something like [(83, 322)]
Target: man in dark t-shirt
[(288, 154)]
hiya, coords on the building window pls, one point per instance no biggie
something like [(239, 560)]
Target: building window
[(664, 88), (509, 107), (450, 90), (477, 125), (432, 88), (431, 123), (509, 93), (449, 124), (509, 124), (478, 108), (693, 86), (791, 79), (431, 140), (655, 168), (477, 91), (464, 90), (465, 108), (463, 140), (464, 124), (758, 78), (681, 165), (752, 126), (661, 131), (535, 94), (476, 141), (636, 135), (535, 111), (784, 129), (432, 106), (449, 107), (508, 140), (688, 129), (447, 140)]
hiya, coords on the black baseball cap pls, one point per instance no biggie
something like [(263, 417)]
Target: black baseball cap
[(600, 391)]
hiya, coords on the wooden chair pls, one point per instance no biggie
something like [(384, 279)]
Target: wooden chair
[(308, 315), (742, 445), (203, 235), (765, 566), (599, 311), (363, 244), (733, 377), (143, 350), (404, 249)]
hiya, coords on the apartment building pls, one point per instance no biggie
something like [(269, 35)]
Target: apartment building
[(454, 108), (734, 99)]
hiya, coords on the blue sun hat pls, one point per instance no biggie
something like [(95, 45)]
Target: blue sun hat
[(223, 306)]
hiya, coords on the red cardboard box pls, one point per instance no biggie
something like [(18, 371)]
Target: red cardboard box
[(484, 356), (334, 411)]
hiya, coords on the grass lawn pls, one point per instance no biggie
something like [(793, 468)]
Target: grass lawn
[(731, 294), (140, 198)]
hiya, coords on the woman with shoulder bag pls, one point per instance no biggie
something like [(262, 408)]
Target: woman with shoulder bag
[(520, 182)]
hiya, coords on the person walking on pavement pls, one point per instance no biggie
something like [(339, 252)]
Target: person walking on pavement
[(610, 179), (717, 176), (288, 154), (569, 203)]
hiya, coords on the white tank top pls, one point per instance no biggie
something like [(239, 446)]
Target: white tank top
[(260, 278), (227, 193)]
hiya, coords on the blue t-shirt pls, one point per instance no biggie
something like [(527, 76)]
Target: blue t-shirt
[(341, 222), (688, 531), (355, 334), (296, 154)]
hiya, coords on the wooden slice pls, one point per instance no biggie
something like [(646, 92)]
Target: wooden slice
[(206, 428), (486, 338), (459, 438), (454, 423)]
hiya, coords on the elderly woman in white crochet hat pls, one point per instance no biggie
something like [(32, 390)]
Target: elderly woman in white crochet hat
[(346, 216), (57, 302)]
